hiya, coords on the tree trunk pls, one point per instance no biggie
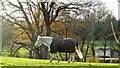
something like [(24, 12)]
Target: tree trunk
[(48, 30), (32, 47), (43, 51), (47, 22), (45, 55), (93, 51), (105, 50), (11, 50), (83, 42), (31, 53), (86, 52)]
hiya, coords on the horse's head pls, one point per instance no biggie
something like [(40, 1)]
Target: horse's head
[(43, 40), (38, 41)]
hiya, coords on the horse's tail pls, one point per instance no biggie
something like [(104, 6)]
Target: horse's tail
[(80, 55)]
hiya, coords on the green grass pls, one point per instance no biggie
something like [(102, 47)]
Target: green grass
[(11, 62), (99, 44), (8, 62)]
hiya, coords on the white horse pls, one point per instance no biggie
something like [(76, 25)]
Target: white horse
[(56, 45)]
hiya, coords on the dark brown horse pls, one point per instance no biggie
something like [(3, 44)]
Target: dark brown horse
[(57, 45)]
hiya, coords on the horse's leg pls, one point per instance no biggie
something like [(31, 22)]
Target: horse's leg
[(73, 57), (52, 56), (70, 58), (57, 55)]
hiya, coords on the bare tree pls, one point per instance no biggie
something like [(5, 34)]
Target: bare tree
[(32, 12)]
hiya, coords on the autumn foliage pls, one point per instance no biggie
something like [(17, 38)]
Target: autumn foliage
[(62, 30), (59, 28)]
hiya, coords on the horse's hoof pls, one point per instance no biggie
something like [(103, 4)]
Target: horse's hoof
[(73, 61), (51, 61), (68, 61)]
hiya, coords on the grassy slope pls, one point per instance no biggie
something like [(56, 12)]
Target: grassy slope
[(10, 61)]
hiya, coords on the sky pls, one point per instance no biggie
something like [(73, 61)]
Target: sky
[(112, 5)]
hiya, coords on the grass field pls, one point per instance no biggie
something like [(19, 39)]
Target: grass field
[(10, 62)]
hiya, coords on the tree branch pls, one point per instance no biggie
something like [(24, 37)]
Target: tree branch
[(13, 12), (14, 5), (24, 13), (21, 26), (38, 6), (114, 33)]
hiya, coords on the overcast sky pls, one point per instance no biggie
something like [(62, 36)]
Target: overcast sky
[(112, 5)]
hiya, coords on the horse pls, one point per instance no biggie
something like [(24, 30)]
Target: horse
[(57, 45)]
